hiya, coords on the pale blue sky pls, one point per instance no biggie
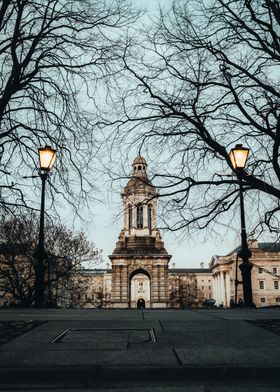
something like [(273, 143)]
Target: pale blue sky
[(106, 222)]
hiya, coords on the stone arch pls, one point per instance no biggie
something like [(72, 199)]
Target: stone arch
[(140, 271), (141, 303), (140, 287)]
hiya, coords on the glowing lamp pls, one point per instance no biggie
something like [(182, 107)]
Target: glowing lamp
[(238, 156), (46, 157)]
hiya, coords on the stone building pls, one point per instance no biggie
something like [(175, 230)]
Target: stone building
[(139, 275), (139, 260), (265, 275)]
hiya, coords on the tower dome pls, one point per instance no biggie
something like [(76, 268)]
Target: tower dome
[(139, 166), (139, 160), (139, 183)]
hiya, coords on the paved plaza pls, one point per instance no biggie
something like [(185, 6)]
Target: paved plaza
[(200, 350)]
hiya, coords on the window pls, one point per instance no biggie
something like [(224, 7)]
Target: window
[(274, 270), (202, 280), (260, 270), (261, 284), (150, 217), (129, 217), (139, 217), (262, 299), (278, 299), (276, 285), (202, 287), (209, 287)]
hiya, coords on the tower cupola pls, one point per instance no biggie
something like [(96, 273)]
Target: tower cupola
[(139, 167)]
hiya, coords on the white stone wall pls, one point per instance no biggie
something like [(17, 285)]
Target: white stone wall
[(264, 286)]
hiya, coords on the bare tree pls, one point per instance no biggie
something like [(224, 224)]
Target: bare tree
[(66, 252), (205, 77), (184, 291), (87, 290), (54, 57)]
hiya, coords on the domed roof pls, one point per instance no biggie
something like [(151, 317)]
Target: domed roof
[(139, 160), (138, 185)]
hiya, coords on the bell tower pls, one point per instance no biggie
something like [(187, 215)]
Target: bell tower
[(139, 261), (139, 202)]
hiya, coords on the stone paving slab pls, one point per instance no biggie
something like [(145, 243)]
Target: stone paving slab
[(90, 336), (131, 378), (217, 333), (186, 388), (229, 356), (70, 314), (137, 315), (85, 357), (239, 314), (216, 341), (200, 350)]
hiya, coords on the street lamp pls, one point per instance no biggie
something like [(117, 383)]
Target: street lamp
[(46, 161), (238, 157)]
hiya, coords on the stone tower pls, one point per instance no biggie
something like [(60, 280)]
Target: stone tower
[(139, 261)]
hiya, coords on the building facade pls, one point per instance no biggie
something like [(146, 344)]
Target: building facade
[(140, 275), (139, 260), (264, 276)]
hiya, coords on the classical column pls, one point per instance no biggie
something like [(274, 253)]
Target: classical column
[(145, 215), (218, 289), (223, 288), (215, 291), (228, 288)]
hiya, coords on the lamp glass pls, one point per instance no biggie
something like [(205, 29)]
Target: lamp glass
[(46, 157), (238, 156)]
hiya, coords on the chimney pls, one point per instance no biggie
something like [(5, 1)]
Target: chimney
[(202, 265), (173, 265)]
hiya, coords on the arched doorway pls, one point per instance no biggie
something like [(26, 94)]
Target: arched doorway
[(141, 303), (140, 289)]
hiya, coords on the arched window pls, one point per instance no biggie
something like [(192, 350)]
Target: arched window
[(140, 168), (139, 217), (129, 216), (150, 217)]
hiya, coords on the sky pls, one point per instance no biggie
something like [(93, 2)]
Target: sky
[(106, 221)]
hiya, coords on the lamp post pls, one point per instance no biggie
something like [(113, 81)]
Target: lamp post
[(46, 161), (238, 157)]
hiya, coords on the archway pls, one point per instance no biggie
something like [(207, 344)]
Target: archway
[(141, 303), (140, 289)]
